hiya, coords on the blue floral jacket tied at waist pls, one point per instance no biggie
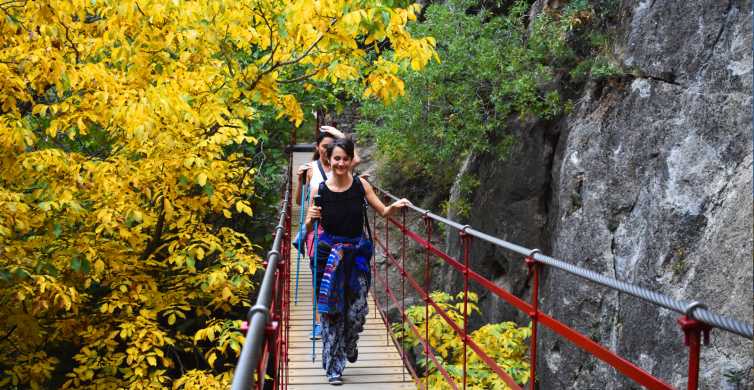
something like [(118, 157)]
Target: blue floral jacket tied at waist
[(348, 257)]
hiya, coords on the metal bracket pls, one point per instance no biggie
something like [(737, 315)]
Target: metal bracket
[(463, 233), (689, 310), (259, 309), (529, 259)]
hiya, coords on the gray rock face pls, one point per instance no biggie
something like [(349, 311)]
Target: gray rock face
[(652, 184), (649, 181)]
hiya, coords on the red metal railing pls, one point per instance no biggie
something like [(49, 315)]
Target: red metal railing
[(264, 357), (692, 328), (265, 352)]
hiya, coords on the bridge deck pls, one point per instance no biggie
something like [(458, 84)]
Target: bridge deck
[(379, 366)]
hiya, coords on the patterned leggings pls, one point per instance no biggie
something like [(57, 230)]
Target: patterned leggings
[(340, 332)]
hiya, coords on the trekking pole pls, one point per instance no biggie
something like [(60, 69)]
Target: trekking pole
[(301, 229), (314, 280)]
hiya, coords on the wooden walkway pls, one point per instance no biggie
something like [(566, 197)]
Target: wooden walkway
[(379, 366)]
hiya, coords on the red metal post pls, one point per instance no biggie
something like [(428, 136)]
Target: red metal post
[(428, 228), (374, 270), (285, 308), (271, 331), (403, 292), (387, 281), (466, 239), (375, 231), (534, 315), (693, 331)]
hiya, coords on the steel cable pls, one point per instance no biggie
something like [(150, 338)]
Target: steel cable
[(693, 309)]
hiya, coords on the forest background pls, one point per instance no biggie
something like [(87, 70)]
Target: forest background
[(141, 152), (140, 162)]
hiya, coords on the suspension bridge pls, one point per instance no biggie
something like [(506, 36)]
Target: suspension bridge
[(278, 353)]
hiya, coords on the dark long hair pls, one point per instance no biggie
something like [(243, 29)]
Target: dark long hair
[(344, 143), (320, 136)]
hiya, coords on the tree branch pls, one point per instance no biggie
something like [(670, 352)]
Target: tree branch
[(302, 78), (9, 333), (178, 358), (156, 236)]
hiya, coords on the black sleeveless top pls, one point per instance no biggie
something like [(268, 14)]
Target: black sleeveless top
[(342, 212)]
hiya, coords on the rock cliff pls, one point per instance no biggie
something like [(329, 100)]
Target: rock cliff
[(648, 180)]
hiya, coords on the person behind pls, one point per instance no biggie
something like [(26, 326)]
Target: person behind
[(346, 276), (317, 171)]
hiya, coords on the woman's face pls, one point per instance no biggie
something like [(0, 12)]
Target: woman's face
[(339, 161), (323, 147)]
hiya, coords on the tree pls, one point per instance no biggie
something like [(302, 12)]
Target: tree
[(516, 69), (125, 131)]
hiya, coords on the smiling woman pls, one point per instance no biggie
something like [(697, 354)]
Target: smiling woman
[(345, 276)]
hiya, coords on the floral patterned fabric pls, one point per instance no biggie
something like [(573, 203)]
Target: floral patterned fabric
[(347, 259), (340, 331)]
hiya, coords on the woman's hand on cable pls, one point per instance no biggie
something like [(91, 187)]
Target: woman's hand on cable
[(399, 204)]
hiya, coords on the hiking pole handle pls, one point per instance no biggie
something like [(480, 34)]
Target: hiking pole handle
[(317, 201)]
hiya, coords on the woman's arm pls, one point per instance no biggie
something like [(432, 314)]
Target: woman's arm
[(312, 213), (304, 169), (377, 205)]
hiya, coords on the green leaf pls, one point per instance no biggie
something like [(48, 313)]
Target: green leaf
[(76, 264), (208, 189)]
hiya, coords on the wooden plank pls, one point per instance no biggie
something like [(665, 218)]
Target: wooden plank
[(362, 357), (367, 380), (371, 386), (350, 370), (359, 363), (298, 342), (381, 337), (296, 350), (304, 325)]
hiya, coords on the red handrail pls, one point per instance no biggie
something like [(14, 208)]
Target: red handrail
[(268, 327), (531, 309)]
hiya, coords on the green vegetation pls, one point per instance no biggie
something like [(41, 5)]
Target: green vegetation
[(504, 342), (496, 67)]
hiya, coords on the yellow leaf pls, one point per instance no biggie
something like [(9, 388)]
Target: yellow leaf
[(227, 213), (151, 360), (226, 293), (201, 179), (99, 266)]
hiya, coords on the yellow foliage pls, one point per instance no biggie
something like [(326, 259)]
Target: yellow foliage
[(504, 342), (123, 126)]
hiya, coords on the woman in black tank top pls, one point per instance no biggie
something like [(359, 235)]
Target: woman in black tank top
[(341, 186), (346, 276), (342, 213)]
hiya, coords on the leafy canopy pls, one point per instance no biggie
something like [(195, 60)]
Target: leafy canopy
[(128, 133), (497, 66)]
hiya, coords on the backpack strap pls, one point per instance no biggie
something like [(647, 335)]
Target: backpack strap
[(364, 208), (321, 170)]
